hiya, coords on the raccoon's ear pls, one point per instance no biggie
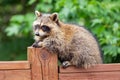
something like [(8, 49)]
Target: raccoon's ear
[(37, 13), (54, 17)]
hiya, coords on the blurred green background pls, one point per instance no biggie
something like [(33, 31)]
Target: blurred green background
[(101, 17)]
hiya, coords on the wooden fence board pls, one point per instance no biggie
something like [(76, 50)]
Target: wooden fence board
[(43, 64), (36, 70), (15, 75), (90, 76), (97, 68), (14, 65)]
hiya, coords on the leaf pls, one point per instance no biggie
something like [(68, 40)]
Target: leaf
[(12, 30), (115, 27), (31, 2), (96, 21), (17, 18)]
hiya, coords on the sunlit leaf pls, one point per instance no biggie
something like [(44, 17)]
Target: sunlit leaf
[(31, 2), (17, 18)]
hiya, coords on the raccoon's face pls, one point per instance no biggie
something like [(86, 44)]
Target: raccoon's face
[(41, 31), (45, 24)]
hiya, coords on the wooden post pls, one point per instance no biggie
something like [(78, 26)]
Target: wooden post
[(43, 64)]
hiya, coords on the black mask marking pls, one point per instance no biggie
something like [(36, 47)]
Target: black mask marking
[(45, 28)]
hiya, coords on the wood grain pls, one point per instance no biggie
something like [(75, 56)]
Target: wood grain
[(90, 76), (15, 75), (6, 65), (98, 72), (43, 64), (36, 70), (97, 68)]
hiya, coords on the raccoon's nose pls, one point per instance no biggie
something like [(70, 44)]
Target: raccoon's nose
[(37, 34)]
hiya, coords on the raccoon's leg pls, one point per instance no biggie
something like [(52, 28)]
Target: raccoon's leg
[(65, 59), (82, 60)]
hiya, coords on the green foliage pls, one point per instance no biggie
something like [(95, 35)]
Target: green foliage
[(20, 25), (101, 17), (15, 48)]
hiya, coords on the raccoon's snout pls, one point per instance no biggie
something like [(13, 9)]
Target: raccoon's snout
[(40, 33), (37, 34)]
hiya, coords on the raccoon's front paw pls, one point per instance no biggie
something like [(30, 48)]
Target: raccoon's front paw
[(41, 44), (65, 64), (35, 45)]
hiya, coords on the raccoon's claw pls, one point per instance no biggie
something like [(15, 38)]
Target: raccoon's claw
[(35, 45), (65, 64)]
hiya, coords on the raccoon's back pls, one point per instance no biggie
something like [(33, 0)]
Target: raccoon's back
[(84, 42)]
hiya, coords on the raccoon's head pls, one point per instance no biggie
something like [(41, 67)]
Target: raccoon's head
[(45, 24)]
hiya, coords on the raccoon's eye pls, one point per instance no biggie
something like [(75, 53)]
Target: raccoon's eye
[(45, 28), (36, 27)]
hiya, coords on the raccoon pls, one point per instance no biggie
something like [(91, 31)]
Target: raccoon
[(73, 44)]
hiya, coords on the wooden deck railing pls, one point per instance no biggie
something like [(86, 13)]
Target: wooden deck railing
[(42, 65)]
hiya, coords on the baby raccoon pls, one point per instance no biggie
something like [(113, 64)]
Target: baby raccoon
[(73, 44)]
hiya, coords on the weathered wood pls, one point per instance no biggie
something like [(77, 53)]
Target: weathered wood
[(97, 68), (43, 64), (98, 72), (36, 70), (90, 76), (15, 75), (5, 65)]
